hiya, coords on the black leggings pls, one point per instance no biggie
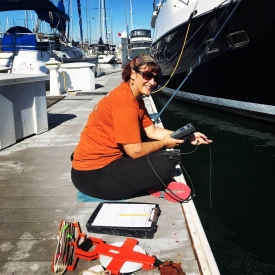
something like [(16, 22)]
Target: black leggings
[(125, 177)]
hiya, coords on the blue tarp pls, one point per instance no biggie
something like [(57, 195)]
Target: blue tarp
[(23, 41)]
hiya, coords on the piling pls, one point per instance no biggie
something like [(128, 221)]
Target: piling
[(124, 49)]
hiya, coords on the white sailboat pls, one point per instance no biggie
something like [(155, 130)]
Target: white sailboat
[(24, 51), (104, 51)]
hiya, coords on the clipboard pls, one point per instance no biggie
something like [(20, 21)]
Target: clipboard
[(131, 219)]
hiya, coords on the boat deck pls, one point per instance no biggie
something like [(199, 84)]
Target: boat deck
[(37, 193)]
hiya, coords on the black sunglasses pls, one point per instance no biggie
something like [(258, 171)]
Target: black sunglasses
[(149, 75)]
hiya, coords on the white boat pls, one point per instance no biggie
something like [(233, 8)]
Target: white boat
[(103, 53), (140, 42), (106, 58), (23, 51), (218, 53)]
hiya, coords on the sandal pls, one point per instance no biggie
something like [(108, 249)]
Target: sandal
[(181, 192)]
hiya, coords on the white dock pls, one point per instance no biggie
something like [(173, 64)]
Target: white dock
[(36, 193)]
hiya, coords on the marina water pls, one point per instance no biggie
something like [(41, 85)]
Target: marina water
[(234, 183), (235, 199)]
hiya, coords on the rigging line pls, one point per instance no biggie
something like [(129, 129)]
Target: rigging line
[(209, 17), (183, 46), (192, 68), (182, 49), (193, 13), (210, 44), (203, 24), (225, 22)]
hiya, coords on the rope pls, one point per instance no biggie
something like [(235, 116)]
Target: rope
[(209, 17), (64, 250), (183, 46), (65, 87), (182, 49), (191, 69), (207, 36)]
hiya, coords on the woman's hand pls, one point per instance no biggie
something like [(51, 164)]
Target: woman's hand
[(198, 138), (171, 142)]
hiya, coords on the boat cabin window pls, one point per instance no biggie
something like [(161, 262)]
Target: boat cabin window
[(140, 33), (139, 45)]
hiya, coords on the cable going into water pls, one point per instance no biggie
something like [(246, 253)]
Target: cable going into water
[(210, 177), (167, 189)]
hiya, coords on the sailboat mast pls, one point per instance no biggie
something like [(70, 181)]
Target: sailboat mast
[(80, 20), (69, 12), (105, 20), (127, 28), (87, 22), (131, 13), (100, 17)]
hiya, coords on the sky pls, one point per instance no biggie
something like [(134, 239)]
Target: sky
[(118, 20)]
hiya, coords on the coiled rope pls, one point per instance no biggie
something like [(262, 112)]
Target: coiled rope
[(64, 250)]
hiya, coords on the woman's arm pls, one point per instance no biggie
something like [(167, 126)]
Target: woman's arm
[(144, 148), (163, 139), (156, 133)]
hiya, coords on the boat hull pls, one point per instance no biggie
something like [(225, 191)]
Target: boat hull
[(242, 74)]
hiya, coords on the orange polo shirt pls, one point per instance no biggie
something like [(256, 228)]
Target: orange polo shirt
[(117, 118)]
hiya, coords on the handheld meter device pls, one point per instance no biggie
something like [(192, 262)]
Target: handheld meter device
[(183, 132)]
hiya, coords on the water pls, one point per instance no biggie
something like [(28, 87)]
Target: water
[(235, 200), (237, 214)]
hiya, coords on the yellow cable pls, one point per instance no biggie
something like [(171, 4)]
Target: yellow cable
[(65, 87), (183, 46)]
